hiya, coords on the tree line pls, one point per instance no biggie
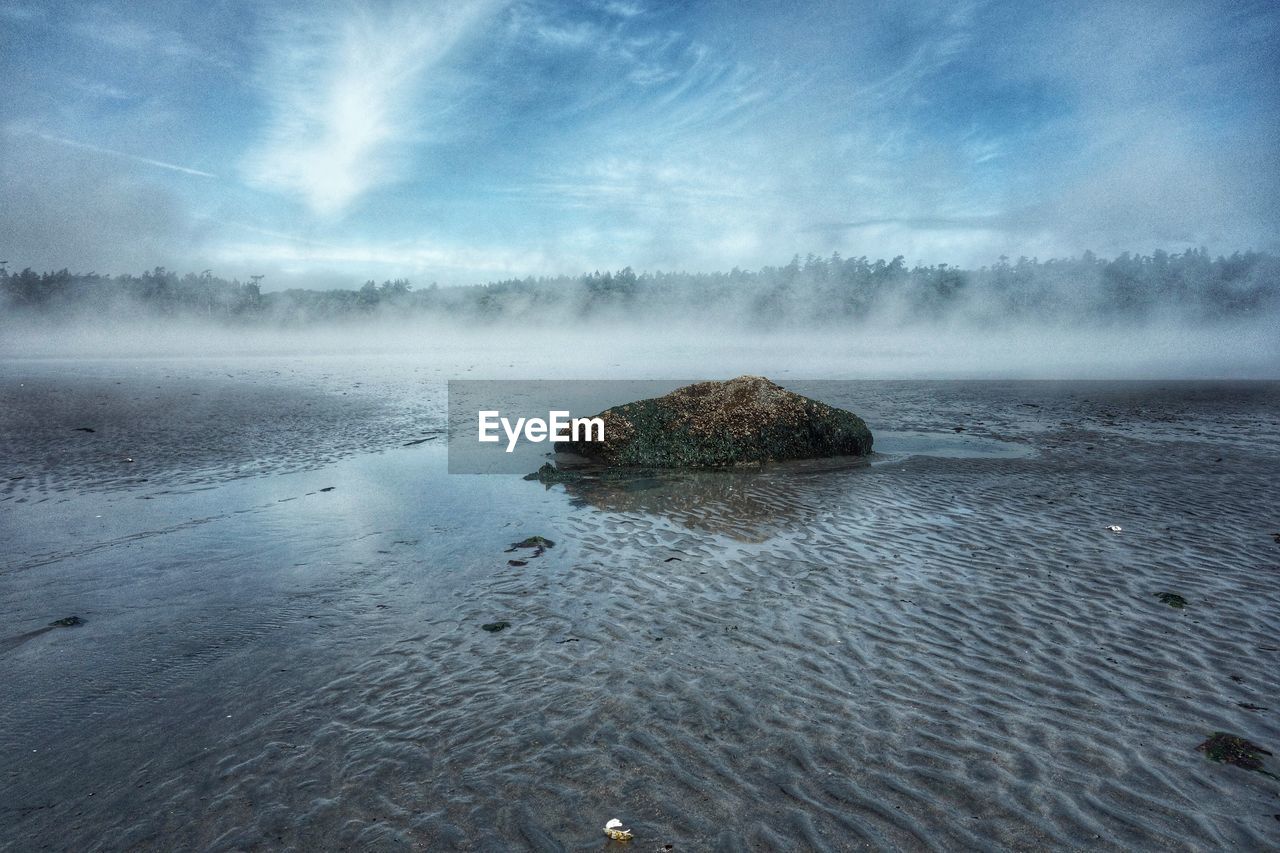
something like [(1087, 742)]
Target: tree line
[(814, 290)]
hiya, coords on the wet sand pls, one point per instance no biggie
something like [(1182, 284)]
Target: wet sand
[(282, 643)]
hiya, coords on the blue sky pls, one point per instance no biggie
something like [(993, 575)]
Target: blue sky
[(325, 143)]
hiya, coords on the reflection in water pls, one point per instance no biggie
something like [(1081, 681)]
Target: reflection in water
[(955, 445), (755, 503), (748, 504)]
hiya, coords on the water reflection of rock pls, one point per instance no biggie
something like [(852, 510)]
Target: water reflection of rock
[(747, 504)]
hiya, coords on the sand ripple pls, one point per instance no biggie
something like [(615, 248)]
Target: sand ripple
[(929, 653)]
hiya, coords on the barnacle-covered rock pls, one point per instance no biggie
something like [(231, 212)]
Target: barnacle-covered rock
[(743, 420)]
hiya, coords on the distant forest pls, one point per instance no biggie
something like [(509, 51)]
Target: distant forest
[(814, 290)]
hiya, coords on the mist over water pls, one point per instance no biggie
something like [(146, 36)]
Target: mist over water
[(1242, 349), (1185, 315)]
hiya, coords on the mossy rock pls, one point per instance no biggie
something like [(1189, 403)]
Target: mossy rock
[(748, 420)]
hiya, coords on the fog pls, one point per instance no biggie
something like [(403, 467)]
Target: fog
[(1157, 350), (523, 154), (1159, 316)]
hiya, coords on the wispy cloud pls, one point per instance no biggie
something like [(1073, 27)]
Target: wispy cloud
[(621, 8), (648, 57), (458, 139), (20, 12), (97, 149), (342, 89), (100, 89), (105, 26), (421, 260)]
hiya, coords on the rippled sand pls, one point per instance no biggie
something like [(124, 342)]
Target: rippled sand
[(283, 649)]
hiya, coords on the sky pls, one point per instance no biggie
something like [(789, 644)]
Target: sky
[(324, 143)]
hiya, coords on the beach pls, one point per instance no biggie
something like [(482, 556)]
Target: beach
[(284, 597)]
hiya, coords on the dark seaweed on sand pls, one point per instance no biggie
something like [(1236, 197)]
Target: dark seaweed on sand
[(539, 544), (1233, 749), (550, 475)]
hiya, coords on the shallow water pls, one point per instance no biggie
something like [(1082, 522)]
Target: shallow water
[(899, 445), (282, 605)]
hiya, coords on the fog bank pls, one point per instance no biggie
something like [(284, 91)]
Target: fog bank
[(1184, 315), (1241, 349)]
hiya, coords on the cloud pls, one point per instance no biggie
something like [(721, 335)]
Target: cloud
[(20, 12), (107, 27), (716, 154), (1163, 145), (576, 135), (610, 35), (621, 8), (65, 210), (85, 146), (295, 258), (342, 90), (100, 89)]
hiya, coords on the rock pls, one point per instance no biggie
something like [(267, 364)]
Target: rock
[(1172, 599), (495, 627), (550, 475), (536, 542), (741, 421), (68, 622)]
